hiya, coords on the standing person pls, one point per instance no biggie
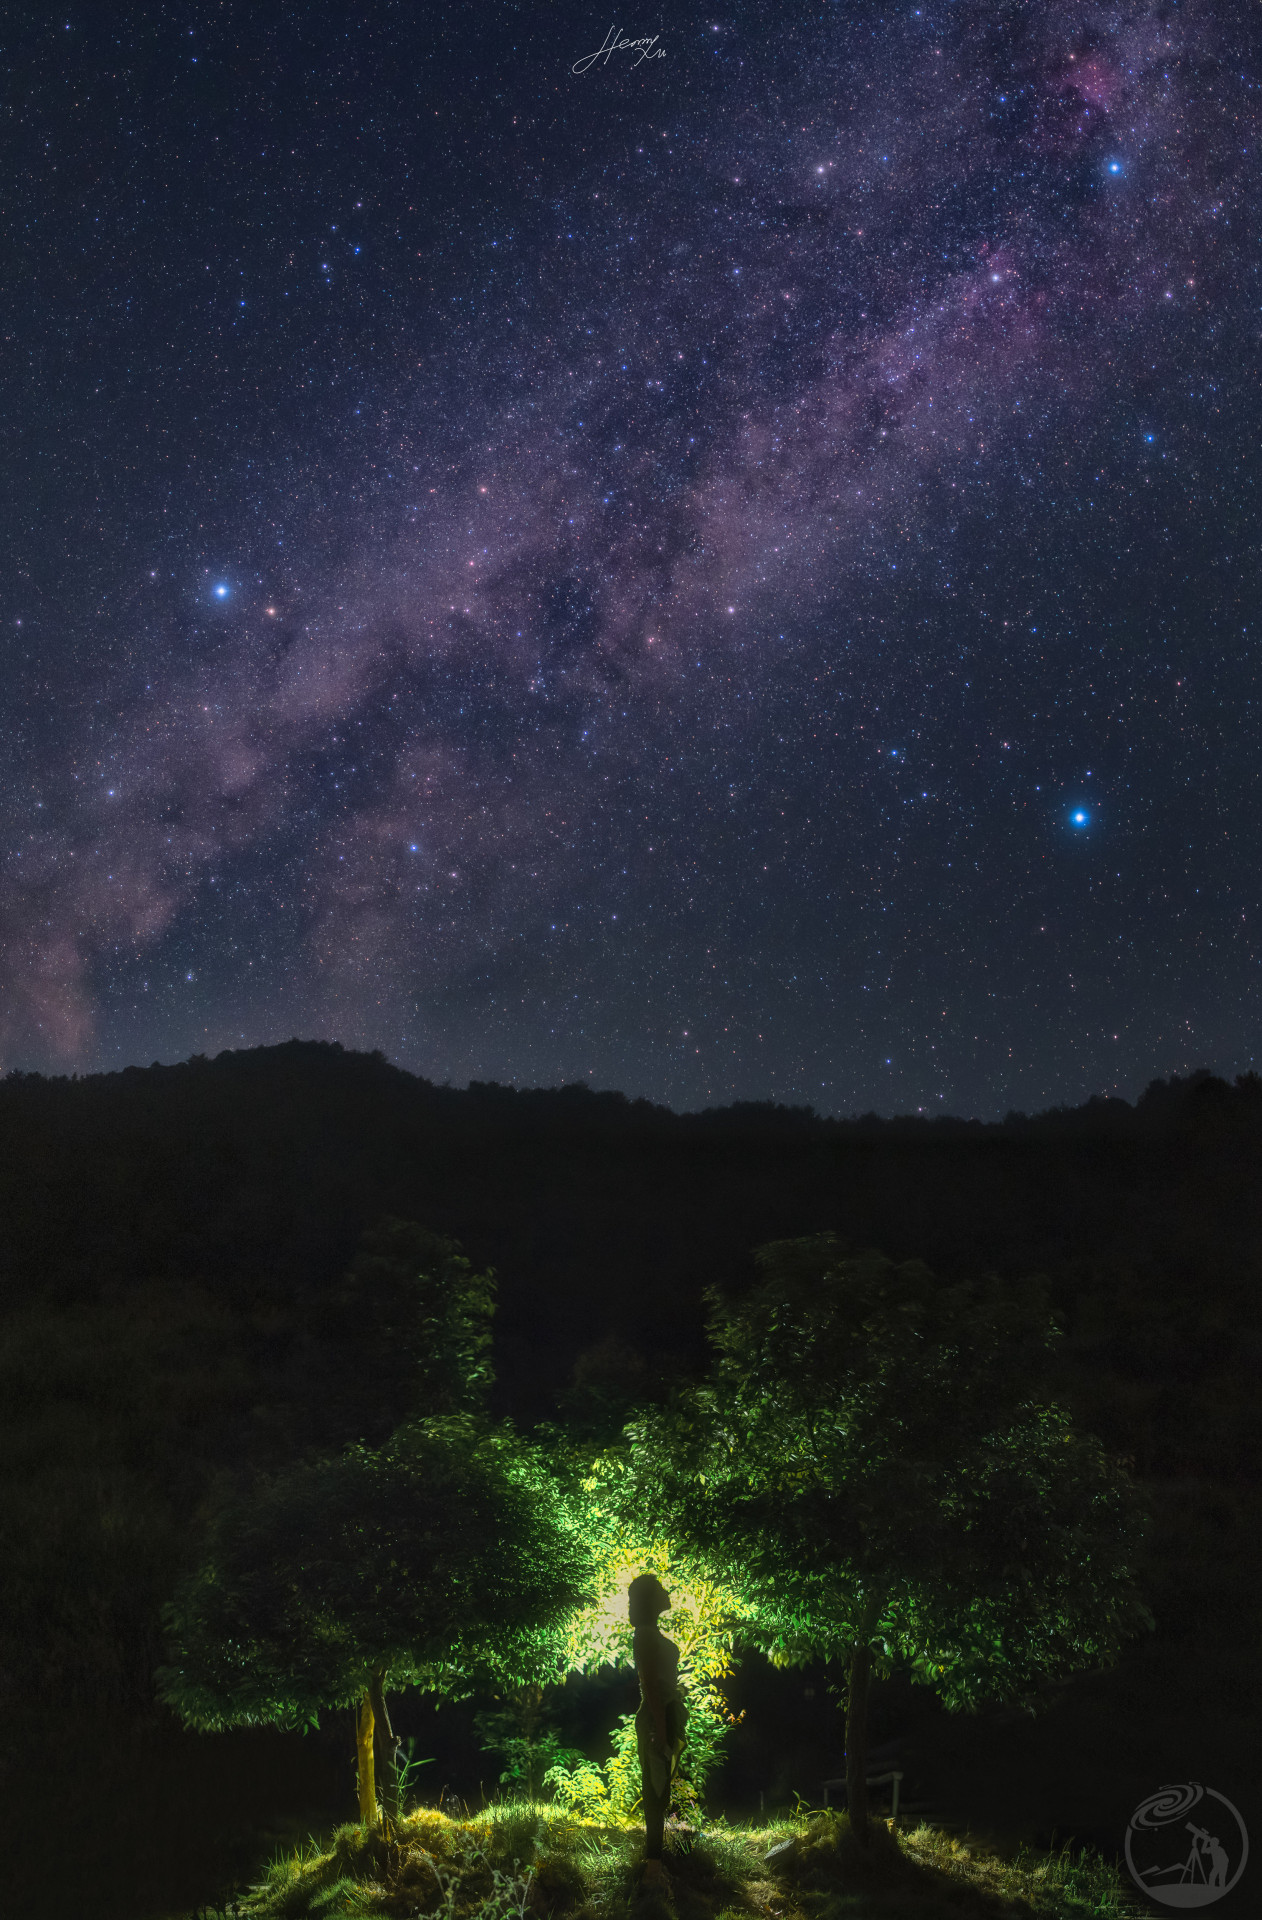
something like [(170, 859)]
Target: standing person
[(1217, 1874), (659, 1724)]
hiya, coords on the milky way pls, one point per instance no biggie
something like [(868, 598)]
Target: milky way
[(732, 578)]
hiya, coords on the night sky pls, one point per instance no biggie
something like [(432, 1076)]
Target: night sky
[(729, 576)]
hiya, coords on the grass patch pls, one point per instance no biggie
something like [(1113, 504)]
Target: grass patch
[(532, 1862), (925, 1873)]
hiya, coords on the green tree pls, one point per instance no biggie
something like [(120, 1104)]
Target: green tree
[(521, 1729), (405, 1333), (875, 1461), (443, 1559)]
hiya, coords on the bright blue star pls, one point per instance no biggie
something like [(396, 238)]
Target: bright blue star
[(221, 593), (1115, 166), (1080, 817)]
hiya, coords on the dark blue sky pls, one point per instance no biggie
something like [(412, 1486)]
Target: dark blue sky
[(731, 576)]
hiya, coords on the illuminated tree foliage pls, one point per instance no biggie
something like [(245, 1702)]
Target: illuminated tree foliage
[(444, 1559), (703, 1620), (876, 1462)]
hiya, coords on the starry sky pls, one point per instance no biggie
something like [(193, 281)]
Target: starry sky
[(731, 573)]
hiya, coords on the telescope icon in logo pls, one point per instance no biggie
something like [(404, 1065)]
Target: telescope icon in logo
[(1186, 1875)]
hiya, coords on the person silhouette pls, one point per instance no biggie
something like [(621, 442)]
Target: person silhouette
[(1213, 1846), (660, 1721)]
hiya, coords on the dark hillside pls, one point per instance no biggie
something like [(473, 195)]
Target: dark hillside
[(173, 1245), (250, 1178)]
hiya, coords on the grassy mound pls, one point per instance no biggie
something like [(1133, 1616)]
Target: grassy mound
[(532, 1863), (824, 1874)]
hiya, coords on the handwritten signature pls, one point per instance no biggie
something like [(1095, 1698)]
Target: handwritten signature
[(642, 49)]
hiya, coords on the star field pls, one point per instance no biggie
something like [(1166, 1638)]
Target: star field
[(730, 578)]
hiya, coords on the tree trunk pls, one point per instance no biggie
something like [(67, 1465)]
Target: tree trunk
[(857, 1721), (384, 1742), (857, 1741), (363, 1749)]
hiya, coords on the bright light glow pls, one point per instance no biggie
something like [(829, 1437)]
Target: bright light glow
[(613, 1617), (1080, 817)]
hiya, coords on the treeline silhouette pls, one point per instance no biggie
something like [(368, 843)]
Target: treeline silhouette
[(173, 1242)]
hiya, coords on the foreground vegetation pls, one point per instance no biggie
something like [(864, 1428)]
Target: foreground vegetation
[(530, 1862)]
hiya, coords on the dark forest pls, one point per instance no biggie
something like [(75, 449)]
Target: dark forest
[(177, 1317)]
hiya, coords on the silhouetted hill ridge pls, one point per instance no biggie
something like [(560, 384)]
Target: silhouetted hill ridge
[(1163, 1103), (253, 1174)]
